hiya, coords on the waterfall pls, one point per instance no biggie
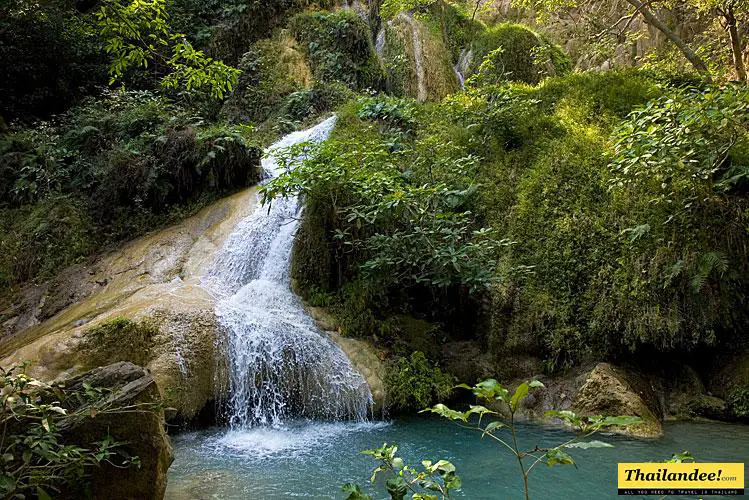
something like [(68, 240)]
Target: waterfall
[(461, 67), (421, 93), (380, 43), (279, 363)]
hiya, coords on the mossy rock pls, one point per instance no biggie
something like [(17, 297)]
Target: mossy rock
[(526, 55), (272, 69), (339, 47), (407, 39)]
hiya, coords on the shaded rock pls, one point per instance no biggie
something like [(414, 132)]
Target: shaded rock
[(141, 427), (468, 361), (600, 389), (610, 390), (730, 374), (704, 406)]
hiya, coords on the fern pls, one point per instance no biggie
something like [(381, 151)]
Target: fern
[(707, 264)]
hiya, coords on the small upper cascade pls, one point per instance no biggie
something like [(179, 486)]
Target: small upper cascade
[(461, 67), (380, 43), (280, 365)]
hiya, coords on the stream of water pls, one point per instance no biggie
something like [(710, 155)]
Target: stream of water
[(279, 363)]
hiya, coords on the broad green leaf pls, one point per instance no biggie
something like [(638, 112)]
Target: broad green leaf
[(557, 456), (396, 487), (622, 420), (520, 394), (493, 426)]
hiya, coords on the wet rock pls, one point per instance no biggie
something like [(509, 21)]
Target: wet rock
[(155, 278), (141, 428), (366, 361)]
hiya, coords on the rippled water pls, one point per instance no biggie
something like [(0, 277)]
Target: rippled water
[(313, 460)]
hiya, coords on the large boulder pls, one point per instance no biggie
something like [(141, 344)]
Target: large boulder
[(600, 389), (610, 390), (139, 424)]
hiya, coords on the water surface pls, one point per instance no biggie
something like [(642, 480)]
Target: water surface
[(313, 460)]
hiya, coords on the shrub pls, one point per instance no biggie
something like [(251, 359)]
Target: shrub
[(110, 169), (38, 461), (339, 47), (525, 56), (37, 240), (739, 401), (413, 383)]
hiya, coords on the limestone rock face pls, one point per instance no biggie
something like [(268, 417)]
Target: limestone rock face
[(366, 361), (610, 390), (156, 278), (143, 431), (467, 361)]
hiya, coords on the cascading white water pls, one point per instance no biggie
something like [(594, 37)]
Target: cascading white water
[(418, 51), (461, 67), (380, 42), (279, 364)]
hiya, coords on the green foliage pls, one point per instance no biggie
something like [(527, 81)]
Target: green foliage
[(676, 145), (680, 458), (339, 47), (271, 70), (137, 33), (37, 240), (298, 108), (525, 56), (37, 459), (110, 169), (739, 401), (51, 58), (434, 480), (413, 382), (431, 238), (607, 255), (503, 432)]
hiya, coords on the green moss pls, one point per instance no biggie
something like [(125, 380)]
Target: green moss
[(397, 67), (118, 339), (37, 240), (339, 47), (525, 55), (271, 70)]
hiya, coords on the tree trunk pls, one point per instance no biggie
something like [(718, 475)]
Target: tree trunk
[(656, 23), (736, 45)]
